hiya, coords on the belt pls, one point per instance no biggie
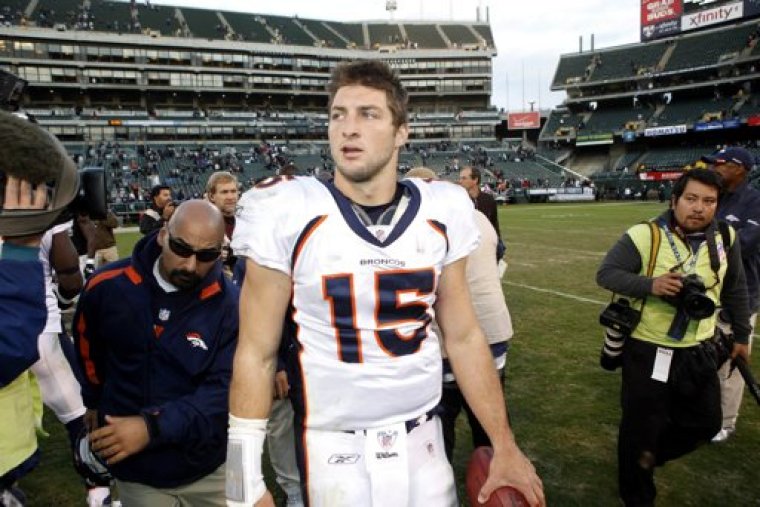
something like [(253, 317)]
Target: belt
[(411, 423)]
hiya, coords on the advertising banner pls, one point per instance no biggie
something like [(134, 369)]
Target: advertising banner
[(660, 18), (711, 125), (593, 139), (751, 7), (714, 16), (660, 175), (668, 130), (524, 121), (753, 121), (656, 11)]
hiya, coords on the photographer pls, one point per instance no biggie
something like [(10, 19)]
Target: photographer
[(670, 389)]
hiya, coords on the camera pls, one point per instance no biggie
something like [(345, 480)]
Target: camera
[(692, 299), (620, 316), (691, 302), (90, 199), (619, 320)]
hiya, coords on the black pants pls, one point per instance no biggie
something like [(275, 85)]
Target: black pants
[(662, 421), (452, 403)]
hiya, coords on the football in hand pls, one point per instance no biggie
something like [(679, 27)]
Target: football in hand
[(477, 473)]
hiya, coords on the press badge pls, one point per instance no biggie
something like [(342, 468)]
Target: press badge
[(662, 360)]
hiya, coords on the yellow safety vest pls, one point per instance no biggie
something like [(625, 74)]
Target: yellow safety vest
[(17, 424), (657, 315)]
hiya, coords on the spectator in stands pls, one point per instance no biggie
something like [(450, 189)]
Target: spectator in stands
[(469, 178), (156, 335), (161, 209), (740, 207), (670, 388)]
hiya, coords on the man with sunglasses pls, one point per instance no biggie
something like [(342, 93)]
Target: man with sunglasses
[(740, 207), (670, 391), (155, 336)]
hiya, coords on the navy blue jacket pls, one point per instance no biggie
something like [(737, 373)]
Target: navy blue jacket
[(741, 209), (145, 351), (23, 312)]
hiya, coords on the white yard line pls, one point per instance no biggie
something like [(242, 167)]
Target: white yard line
[(556, 293)]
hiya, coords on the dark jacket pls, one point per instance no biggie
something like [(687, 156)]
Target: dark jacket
[(151, 220), (23, 312), (144, 351), (741, 209), (486, 204)]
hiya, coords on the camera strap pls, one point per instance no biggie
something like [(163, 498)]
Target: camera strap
[(654, 248)]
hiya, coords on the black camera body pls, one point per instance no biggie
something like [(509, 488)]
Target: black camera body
[(692, 298), (691, 302), (620, 316)]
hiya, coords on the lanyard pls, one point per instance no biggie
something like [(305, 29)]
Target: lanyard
[(692, 263)]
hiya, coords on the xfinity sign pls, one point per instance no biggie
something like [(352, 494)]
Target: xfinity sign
[(708, 17)]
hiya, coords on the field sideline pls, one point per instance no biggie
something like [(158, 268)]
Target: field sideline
[(563, 406)]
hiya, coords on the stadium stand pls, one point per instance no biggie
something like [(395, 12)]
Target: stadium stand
[(323, 34), (112, 17), (613, 119), (690, 109), (459, 33), (247, 26), (628, 160), (661, 159), (159, 19), (708, 48), (203, 23), (384, 35), (288, 30), (628, 61), (485, 32), (561, 123), (424, 36), (353, 32), (572, 69)]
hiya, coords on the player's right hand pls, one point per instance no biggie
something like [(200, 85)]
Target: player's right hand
[(668, 284), (512, 468)]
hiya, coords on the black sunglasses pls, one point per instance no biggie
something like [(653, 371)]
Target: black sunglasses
[(184, 250)]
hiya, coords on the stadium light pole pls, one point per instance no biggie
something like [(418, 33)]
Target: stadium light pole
[(506, 75), (523, 85)]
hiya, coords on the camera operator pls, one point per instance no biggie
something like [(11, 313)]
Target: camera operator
[(670, 392), (37, 182)]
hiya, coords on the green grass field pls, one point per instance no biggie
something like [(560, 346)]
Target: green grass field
[(564, 407)]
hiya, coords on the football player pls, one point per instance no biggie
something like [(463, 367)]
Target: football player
[(361, 267)]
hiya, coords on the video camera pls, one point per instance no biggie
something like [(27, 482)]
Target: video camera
[(71, 191)]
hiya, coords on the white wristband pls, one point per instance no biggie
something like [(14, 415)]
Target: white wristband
[(245, 443)]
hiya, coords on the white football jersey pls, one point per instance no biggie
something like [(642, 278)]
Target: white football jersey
[(362, 297)]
